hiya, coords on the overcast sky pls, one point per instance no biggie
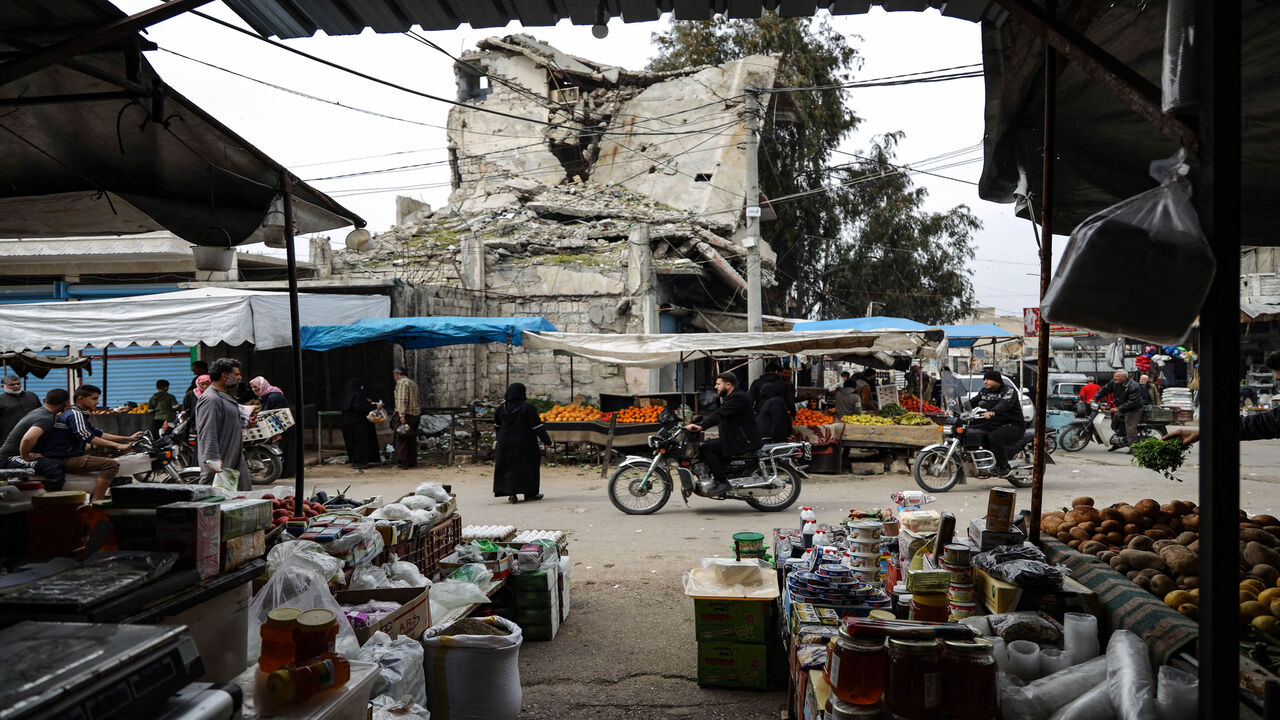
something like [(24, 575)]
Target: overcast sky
[(319, 140)]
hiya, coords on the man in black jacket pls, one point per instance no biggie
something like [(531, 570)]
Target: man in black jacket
[(773, 376), (738, 432), (1002, 422), (1127, 397)]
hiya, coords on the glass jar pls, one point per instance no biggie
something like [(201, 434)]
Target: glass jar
[(969, 679), (315, 634), (929, 607), (856, 668), (915, 684), (277, 639)]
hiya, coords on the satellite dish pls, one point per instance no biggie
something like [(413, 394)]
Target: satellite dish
[(358, 239)]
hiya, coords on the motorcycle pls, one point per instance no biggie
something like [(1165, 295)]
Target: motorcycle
[(1096, 426), (160, 457), (264, 457), (767, 479), (941, 466)]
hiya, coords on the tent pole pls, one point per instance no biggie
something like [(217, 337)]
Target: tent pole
[(1046, 269), (508, 362), (571, 388), (104, 376), (295, 337)]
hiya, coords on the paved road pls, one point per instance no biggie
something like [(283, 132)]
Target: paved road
[(627, 650)]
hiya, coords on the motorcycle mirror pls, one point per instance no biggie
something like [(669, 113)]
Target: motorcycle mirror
[(666, 416)]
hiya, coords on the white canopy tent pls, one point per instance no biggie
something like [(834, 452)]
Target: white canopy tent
[(652, 351), (206, 316)]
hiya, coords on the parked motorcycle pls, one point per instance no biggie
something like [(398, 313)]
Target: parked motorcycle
[(941, 466), (1096, 426), (162, 459), (767, 480), (264, 457)]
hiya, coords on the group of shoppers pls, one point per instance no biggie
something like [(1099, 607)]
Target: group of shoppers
[(360, 433)]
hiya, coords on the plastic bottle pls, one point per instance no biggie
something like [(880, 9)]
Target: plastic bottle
[(820, 539), (810, 527), (298, 682), (807, 515), (277, 639)]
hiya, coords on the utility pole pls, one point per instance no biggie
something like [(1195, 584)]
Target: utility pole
[(755, 323)]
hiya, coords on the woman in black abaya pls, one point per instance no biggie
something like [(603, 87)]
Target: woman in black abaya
[(517, 462), (360, 435)]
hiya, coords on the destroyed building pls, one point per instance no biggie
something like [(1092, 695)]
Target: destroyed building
[(617, 206)]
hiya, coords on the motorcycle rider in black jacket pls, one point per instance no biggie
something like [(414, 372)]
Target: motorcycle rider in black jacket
[(1002, 423), (1128, 398), (738, 433)]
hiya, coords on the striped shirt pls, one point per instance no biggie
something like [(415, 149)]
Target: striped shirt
[(407, 402), (70, 432)]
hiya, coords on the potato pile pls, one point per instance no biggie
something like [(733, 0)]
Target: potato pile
[(1157, 546)]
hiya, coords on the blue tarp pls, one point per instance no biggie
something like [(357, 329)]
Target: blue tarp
[(970, 335), (862, 324), (415, 333)]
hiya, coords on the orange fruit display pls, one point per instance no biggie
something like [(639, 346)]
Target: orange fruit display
[(807, 417), (570, 413), (639, 414)]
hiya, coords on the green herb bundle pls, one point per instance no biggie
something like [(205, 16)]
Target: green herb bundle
[(1163, 456), (892, 410)]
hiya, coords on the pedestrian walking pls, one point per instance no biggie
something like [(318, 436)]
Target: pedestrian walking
[(164, 406), (517, 463), (220, 425), (359, 434), (407, 415), (272, 398), (15, 403)]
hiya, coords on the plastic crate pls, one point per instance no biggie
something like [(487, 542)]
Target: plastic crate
[(270, 424), (1153, 414), (440, 541)]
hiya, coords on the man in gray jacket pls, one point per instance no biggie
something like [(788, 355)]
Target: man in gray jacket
[(220, 424), (1127, 397)]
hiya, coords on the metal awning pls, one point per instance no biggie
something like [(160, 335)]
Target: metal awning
[(291, 19)]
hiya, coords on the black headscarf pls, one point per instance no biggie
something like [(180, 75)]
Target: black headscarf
[(515, 397), (354, 395)]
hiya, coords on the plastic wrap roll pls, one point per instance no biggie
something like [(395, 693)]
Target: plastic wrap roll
[(1129, 677), (1177, 694), (1053, 660), (1080, 633), (1000, 652), (1040, 699), (1024, 659), (1093, 705)]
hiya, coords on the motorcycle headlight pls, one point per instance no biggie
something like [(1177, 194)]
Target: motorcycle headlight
[(653, 441), (947, 429)]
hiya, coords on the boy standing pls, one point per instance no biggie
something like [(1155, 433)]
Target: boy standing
[(164, 406)]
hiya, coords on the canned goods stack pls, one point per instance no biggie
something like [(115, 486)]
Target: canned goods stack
[(960, 600)]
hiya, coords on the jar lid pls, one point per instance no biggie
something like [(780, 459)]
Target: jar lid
[(976, 644), (882, 615), (838, 709), (60, 498), (284, 615), (28, 485), (930, 599), (316, 620), (909, 644), (867, 640)]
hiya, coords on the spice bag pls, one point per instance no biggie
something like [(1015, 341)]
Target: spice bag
[(1141, 268), (473, 677)]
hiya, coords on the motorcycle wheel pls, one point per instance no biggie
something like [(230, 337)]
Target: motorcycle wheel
[(1020, 482), (1073, 439), (1050, 442), (931, 475), (628, 494), (1156, 432), (264, 466), (778, 502)]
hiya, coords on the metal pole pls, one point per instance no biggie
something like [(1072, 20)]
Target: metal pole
[(571, 392), (1046, 269), (104, 376), (1217, 41), (295, 338), (752, 241)]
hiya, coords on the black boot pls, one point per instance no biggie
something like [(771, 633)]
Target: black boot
[(718, 488)]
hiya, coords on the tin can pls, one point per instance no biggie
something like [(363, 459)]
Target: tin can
[(960, 574), (962, 610), (956, 554), (1000, 504), (959, 592)]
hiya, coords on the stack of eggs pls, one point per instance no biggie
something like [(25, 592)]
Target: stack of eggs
[(864, 546), (960, 600)]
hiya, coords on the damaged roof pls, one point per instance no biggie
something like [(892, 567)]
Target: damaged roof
[(561, 62)]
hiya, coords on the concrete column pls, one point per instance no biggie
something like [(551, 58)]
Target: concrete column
[(473, 277), (642, 286)]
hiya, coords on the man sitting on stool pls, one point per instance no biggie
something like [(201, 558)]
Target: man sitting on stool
[(738, 432)]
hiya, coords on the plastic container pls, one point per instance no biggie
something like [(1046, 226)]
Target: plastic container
[(958, 611), (314, 634), (1024, 659), (299, 682), (865, 530), (956, 554), (960, 574), (57, 524), (865, 560), (857, 668), (969, 679), (870, 576), (914, 691), (30, 488), (929, 607), (278, 648), (1080, 636)]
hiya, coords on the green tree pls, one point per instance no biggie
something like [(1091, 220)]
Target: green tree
[(815, 235)]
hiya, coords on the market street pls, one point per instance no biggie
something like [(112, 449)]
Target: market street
[(626, 650)]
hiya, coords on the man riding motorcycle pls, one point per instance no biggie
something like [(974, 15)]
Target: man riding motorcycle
[(1127, 397), (1002, 422), (738, 432)]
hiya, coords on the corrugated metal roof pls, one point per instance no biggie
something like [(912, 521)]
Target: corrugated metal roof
[(303, 18)]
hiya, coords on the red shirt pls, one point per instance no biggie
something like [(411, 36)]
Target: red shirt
[(1089, 390)]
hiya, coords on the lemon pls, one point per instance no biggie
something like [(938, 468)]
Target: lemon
[(1253, 609), (1266, 596), (1265, 623)]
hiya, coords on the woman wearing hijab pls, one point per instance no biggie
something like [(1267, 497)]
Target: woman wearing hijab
[(772, 418), (272, 398), (516, 466), (357, 432), (189, 400)]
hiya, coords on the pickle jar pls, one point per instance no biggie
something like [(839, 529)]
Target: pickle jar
[(915, 683), (969, 679), (857, 668)]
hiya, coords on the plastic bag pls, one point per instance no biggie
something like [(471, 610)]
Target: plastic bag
[(386, 707), (1039, 700), (1116, 256), (448, 596), (297, 584), (474, 573), (419, 502), (377, 416), (226, 482), (368, 577), (363, 543), (306, 551), (434, 491), (1006, 553), (409, 574), (1031, 575), (399, 664), (1026, 625), (1093, 705), (473, 677), (392, 511), (1177, 693), (1129, 677)]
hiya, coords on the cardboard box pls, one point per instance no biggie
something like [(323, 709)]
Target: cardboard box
[(538, 622), (732, 665), (817, 692), (413, 617), (241, 517), (999, 596), (238, 551), (741, 621), (194, 531), (985, 539)]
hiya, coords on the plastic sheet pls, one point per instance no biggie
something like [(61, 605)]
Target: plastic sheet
[(399, 661), (1080, 636), (1053, 660), (1024, 659), (724, 577), (1129, 677), (387, 708), (448, 596), (1177, 694), (434, 491), (306, 551), (1040, 699), (1093, 705)]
